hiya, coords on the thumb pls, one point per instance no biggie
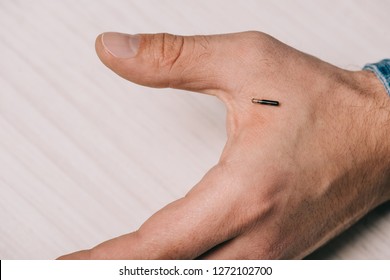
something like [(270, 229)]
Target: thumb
[(163, 60)]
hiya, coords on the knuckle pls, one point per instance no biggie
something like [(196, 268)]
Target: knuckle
[(179, 52), (257, 37), (256, 195), (256, 45), (167, 49)]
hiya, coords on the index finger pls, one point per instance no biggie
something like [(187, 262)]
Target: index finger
[(184, 229)]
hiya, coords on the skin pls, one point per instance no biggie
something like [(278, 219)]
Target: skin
[(291, 177)]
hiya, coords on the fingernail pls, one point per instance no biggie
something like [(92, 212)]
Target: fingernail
[(120, 45)]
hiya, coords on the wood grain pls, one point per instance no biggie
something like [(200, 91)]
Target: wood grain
[(86, 156)]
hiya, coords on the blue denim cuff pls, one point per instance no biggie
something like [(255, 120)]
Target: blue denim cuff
[(382, 71)]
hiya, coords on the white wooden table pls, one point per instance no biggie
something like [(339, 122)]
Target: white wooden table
[(85, 156)]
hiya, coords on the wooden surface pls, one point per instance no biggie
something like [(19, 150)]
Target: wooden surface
[(86, 156)]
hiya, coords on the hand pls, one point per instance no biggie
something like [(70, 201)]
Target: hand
[(290, 177)]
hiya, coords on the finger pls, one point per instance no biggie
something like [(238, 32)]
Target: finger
[(255, 244), (239, 248), (197, 63), (80, 255), (184, 229)]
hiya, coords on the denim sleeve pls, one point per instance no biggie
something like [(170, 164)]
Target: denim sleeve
[(382, 71)]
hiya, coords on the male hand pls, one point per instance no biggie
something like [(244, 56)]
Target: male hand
[(290, 177)]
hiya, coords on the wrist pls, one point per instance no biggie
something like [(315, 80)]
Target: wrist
[(377, 123)]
